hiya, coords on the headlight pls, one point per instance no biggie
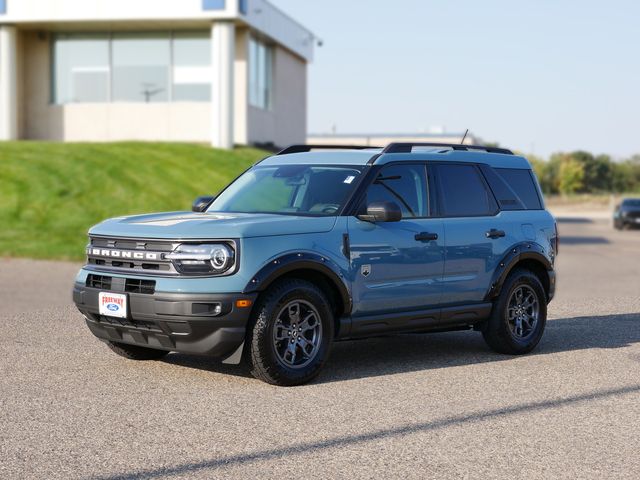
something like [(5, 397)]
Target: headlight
[(211, 259)]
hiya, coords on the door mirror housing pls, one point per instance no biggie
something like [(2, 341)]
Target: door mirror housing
[(202, 203), (382, 212)]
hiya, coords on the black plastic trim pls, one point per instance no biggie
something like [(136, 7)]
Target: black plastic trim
[(517, 253), (307, 148), (432, 319), (170, 321), (407, 147), (297, 261)]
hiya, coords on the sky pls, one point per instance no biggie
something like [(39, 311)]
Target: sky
[(539, 76)]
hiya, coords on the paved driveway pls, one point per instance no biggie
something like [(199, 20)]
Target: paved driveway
[(405, 406)]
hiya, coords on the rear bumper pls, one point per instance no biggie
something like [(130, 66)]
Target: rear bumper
[(177, 322)]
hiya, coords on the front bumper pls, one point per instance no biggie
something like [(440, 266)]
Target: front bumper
[(177, 322)]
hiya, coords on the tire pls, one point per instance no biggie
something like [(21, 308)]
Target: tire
[(291, 334), (134, 352), (503, 335)]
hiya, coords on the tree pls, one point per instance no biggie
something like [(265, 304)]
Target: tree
[(571, 176), (542, 171)]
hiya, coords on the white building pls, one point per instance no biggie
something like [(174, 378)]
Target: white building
[(219, 71)]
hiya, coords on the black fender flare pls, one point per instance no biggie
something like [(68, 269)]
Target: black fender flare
[(517, 253), (298, 261)]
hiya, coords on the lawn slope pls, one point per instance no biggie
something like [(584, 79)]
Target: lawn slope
[(51, 193)]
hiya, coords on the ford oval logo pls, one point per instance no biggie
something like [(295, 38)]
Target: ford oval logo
[(112, 307)]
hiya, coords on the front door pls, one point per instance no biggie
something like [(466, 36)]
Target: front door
[(397, 266)]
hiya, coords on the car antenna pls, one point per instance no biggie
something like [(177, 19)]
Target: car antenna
[(464, 138)]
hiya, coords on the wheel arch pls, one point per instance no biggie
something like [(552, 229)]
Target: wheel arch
[(312, 267), (529, 256)]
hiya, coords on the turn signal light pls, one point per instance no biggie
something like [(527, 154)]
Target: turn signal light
[(243, 303)]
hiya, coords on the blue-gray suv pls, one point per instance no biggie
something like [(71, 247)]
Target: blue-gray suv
[(321, 243)]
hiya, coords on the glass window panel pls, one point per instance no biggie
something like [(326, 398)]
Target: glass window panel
[(253, 72), (141, 67), (523, 184), (268, 90), (292, 189), (404, 185), (260, 73), (81, 68), (192, 67), (261, 66), (463, 192)]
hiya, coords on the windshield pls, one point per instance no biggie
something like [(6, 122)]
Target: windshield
[(631, 202), (289, 190)]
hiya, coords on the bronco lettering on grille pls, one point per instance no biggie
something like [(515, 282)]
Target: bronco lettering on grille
[(98, 252)]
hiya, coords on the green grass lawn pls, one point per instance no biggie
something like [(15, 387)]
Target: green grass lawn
[(51, 193)]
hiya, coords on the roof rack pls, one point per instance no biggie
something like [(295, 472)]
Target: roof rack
[(308, 148), (408, 147)]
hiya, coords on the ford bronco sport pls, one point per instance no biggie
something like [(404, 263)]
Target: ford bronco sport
[(319, 244)]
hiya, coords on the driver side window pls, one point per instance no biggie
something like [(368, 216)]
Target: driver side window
[(404, 185)]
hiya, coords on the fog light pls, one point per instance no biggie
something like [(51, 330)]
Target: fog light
[(206, 309)]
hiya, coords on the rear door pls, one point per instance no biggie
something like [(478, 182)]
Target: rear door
[(397, 266), (477, 236)]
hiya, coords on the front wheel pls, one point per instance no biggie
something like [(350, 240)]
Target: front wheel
[(292, 333), (519, 315)]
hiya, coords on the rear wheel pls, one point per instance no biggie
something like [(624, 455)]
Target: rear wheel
[(134, 352), (292, 333), (519, 315)]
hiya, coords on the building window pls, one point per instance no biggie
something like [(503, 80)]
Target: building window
[(260, 74), (81, 68), (141, 67), (192, 67), (132, 67)]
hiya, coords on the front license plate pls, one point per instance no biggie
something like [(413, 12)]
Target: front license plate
[(638, 220), (113, 304)]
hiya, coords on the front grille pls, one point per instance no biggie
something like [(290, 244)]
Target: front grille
[(130, 255), (125, 285), (134, 285), (98, 281)]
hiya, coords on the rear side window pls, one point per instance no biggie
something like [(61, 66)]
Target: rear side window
[(523, 184), (463, 192)]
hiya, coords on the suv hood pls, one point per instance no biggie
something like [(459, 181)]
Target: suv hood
[(188, 225)]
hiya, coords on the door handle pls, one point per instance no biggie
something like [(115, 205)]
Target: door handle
[(493, 233), (426, 236)]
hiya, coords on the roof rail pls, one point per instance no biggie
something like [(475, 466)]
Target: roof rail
[(308, 148), (408, 147)]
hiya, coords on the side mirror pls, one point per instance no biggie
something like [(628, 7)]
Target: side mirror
[(202, 203), (382, 212)]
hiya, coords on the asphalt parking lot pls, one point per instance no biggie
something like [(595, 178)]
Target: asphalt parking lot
[(405, 406)]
